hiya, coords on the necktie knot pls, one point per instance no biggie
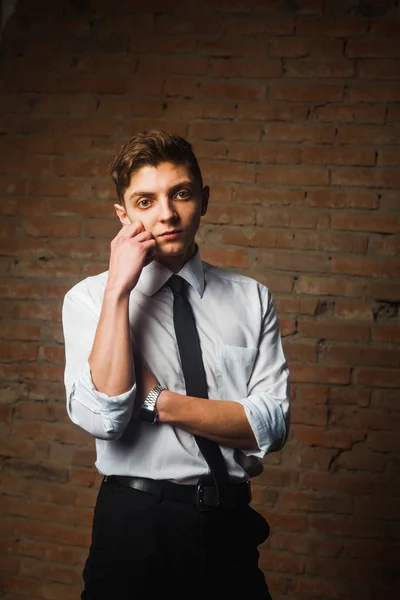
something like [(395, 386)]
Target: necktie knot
[(177, 285)]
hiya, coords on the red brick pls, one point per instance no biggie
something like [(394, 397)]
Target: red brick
[(348, 113), (317, 415), (385, 399), (268, 196), (333, 330), (227, 171), (312, 92), (45, 269), (343, 525), (272, 111), (386, 334), (311, 68), (329, 286), (275, 282), (290, 261), (312, 502), (246, 68), (226, 258), (14, 290), (365, 267), (353, 310), (51, 228), (11, 351), (258, 238), (305, 47), (226, 46), (101, 228), (315, 458), (372, 48), (312, 394), (235, 215), (356, 396), (286, 521), (298, 306), (373, 92), (363, 418), (330, 241), (385, 28), (303, 353), (282, 563), (204, 109), (341, 569), (219, 130), (389, 157), (273, 154), (385, 290), (298, 132), (342, 199), (80, 250), (42, 371), (335, 27), (383, 441), (362, 461), (259, 26), (294, 218), (357, 134), (338, 155), (58, 187), (80, 208), (242, 91), (292, 175), (288, 326), (378, 378), (16, 330), (320, 374), (187, 24), (378, 69)]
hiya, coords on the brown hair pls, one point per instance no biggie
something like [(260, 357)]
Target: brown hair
[(151, 148)]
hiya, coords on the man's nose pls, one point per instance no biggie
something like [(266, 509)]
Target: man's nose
[(167, 210)]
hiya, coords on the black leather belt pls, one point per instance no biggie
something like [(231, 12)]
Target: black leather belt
[(203, 495)]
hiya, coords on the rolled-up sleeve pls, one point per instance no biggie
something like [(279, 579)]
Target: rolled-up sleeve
[(104, 417), (267, 405)]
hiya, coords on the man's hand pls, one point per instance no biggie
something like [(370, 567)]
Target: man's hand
[(131, 250)]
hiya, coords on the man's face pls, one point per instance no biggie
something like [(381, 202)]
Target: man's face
[(169, 203)]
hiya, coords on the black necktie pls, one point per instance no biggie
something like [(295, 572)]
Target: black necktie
[(195, 379)]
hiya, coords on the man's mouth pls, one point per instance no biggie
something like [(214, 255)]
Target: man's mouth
[(171, 234)]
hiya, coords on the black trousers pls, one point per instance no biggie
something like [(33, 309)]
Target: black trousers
[(143, 545)]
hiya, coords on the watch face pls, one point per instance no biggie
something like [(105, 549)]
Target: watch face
[(148, 415)]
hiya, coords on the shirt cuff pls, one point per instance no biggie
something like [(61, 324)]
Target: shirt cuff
[(114, 411), (267, 423)]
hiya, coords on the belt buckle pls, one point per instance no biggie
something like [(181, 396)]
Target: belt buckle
[(207, 497)]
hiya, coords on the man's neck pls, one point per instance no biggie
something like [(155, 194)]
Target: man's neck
[(176, 263)]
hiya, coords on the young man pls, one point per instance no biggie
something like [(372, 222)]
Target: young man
[(184, 386)]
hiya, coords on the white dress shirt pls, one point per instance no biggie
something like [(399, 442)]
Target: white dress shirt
[(243, 359)]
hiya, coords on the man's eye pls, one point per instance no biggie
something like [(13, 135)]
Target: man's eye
[(144, 203), (183, 194)]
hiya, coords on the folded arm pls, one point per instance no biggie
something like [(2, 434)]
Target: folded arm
[(256, 424), (103, 412)]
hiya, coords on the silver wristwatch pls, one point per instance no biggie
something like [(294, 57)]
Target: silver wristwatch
[(148, 411)]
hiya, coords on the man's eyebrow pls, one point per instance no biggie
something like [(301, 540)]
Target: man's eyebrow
[(172, 189)]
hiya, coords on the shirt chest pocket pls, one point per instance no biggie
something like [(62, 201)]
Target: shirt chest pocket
[(234, 366)]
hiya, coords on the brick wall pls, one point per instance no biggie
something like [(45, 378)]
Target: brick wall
[(293, 108)]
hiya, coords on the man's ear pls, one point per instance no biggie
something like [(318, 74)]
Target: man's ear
[(205, 195), (122, 214)]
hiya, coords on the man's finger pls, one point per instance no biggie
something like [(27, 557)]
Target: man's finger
[(143, 236), (131, 230)]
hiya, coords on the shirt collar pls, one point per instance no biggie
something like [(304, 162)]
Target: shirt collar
[(155, 275)]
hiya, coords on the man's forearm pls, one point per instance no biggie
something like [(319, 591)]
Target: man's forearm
[(223, 421), (111, 360)]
